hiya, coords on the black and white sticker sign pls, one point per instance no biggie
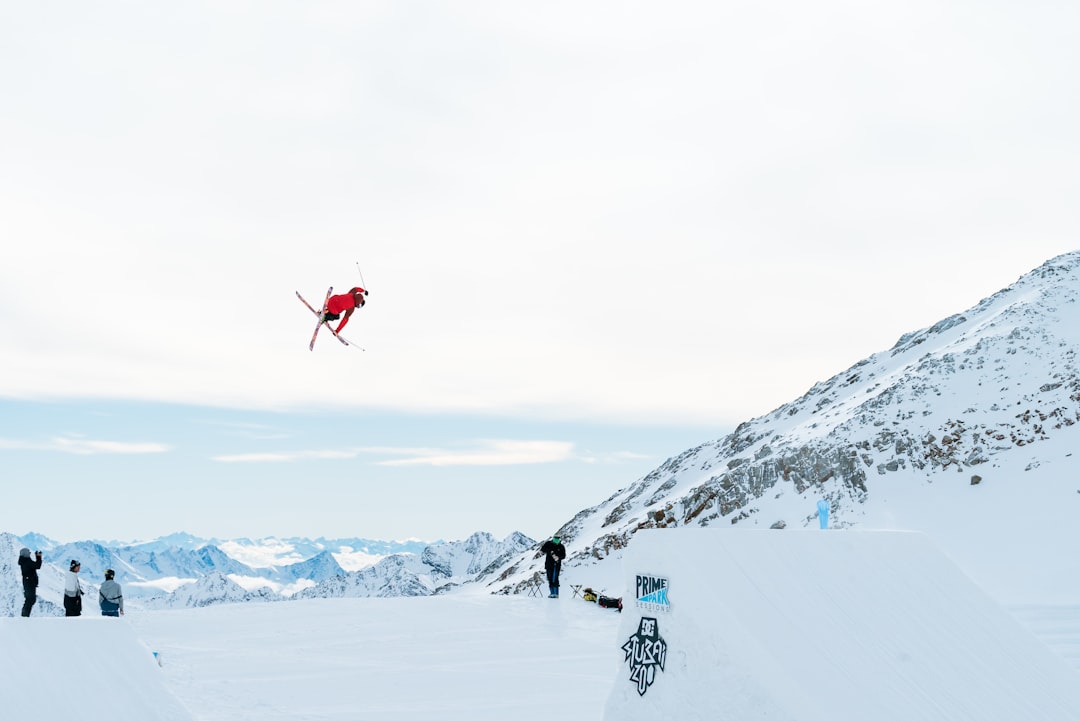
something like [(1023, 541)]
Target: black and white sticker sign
[(646, 651)]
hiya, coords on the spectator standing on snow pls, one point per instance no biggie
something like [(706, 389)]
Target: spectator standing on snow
[(73, 592), (29, 569), (554, 553), (110, 598)]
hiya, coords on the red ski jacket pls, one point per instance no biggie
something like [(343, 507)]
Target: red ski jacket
[(339, 304)]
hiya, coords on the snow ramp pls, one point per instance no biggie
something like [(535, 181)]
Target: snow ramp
[(86, 668), (815, 625)]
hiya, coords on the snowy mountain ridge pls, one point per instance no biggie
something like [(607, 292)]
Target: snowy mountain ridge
[(211, 589), (955, 419), (436, 570), (197, 573)]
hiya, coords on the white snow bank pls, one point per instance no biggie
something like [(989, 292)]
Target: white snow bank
[(450, 657), (823, 625), (105, 672)]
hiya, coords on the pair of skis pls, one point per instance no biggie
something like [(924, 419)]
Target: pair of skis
[(322, 321)]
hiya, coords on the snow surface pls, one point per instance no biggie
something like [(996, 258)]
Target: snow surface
[(105, 672), (812, 625), (461, 656), (471, 656)]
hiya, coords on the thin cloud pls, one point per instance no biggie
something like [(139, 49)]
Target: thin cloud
[(481, 453), (614, 457), (84, 446), (487, 453), (285, 456), (251, 431)]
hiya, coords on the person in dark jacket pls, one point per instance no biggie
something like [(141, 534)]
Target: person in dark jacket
[(29, 569), (110, 598), (554, 553)]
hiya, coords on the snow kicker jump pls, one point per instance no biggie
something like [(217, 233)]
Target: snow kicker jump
[(760, 625)]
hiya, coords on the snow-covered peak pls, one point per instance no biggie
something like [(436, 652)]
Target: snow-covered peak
[(978, 411), (213, 588), (317, 568), (439, 567), (458, 559)]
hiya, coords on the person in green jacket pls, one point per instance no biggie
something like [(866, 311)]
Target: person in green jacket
[(554, 553)]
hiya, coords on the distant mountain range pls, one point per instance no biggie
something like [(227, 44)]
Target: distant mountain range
[(181, 570), (437, 569), (965, 430)]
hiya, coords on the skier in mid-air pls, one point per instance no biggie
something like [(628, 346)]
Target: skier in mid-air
[(345, 303), (332, 308)]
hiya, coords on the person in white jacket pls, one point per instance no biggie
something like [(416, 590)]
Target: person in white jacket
[(110, 597), (73, 592)]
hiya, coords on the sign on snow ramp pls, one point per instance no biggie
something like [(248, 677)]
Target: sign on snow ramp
[(821, 626)]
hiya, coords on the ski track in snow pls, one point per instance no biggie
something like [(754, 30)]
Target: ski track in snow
[(1057, 626), (454, 658), (445, 657)]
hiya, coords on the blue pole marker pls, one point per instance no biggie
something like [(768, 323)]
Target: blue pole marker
[(823, 513)]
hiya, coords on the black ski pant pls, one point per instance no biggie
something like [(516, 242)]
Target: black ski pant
[(72, 605), (553, 578), (30, 592)]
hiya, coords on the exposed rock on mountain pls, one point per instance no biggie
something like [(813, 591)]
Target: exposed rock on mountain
[(984, 403)]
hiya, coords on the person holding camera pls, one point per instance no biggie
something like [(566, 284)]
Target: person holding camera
[(110, 598), (73, 592), (29, 571)]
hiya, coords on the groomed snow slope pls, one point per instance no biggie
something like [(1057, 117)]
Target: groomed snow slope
[(455, 657), (812, 625), (470, 656), (81, 668)]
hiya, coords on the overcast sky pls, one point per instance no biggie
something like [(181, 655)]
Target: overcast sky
[(594, 235)]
